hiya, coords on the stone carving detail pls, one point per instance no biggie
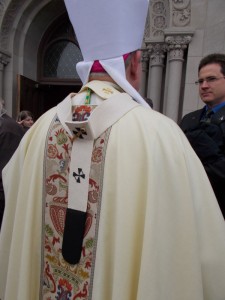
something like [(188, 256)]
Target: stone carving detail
[(177, 40), (156, 53), (147, 27), (176, 45), (145, 60), (144, 55), (159, 15), (181, 4), (4, 59), (165, 13), (181, 13)]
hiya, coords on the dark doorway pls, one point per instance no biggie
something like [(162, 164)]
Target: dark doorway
[(52, 94), (38, 98)]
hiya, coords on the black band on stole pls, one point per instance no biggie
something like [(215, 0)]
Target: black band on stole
[(73, 235)]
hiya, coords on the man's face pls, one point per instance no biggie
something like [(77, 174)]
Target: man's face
[(212, 85)]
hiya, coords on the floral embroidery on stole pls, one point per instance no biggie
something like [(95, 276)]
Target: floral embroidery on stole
[(60, 280)]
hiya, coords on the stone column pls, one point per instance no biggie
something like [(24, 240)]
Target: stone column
[(176, 46), (4, 60), (156, 66)]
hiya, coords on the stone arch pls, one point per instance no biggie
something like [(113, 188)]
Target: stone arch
[(23, 24)]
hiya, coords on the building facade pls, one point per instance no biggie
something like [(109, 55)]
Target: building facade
[(39, 51)]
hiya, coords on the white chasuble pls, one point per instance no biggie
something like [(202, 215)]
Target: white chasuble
[(153, 228)]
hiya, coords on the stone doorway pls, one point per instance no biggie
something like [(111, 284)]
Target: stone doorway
[(38, 97)]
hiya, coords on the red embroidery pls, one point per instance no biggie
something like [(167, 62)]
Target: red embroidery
[(60, 279)]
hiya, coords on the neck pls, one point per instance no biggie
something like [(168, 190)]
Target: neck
[(101, 77)]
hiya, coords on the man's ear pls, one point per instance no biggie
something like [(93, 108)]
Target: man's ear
[(133, 70), (135, 62)]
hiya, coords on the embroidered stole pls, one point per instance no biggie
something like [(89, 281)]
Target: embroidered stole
[(65, 165)]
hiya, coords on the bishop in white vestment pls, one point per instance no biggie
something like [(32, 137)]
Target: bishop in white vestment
[(105, 198)]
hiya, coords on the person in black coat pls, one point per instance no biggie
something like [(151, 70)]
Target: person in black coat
[(205, 128), (10, 135)]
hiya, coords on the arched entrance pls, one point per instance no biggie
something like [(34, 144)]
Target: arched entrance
[(58, 55)]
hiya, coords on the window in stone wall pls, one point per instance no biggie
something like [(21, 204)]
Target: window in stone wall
[(60, 60), (58, 54)]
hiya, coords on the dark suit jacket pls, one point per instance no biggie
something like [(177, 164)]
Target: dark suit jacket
[(208, 141), (192, 119), (10, 135)]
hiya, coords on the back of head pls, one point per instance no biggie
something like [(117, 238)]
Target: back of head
[(213, 58)]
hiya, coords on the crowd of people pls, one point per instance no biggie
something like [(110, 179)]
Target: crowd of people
[(106, 198)]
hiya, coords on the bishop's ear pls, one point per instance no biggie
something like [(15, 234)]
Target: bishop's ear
[(134, 70)]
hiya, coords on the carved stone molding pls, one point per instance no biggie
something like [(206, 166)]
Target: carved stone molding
[(181, 13), (176, 44), (157, 53), (4, 59), (164, 13), (145, 59), (175, 40), (181, 4), (159, 17), (147, 32), (145, 55)]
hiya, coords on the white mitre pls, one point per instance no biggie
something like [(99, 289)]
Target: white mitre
[(105, 30)]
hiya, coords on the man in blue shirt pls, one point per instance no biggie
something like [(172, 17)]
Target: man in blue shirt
[(205, 128)]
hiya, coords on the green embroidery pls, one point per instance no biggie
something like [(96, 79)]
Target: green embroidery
[(88, 97)]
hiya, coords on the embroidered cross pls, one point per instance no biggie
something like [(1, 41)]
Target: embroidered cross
[(79, 132), (79, 175)]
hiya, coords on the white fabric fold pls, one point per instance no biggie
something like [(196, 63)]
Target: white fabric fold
[(83, 70)]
